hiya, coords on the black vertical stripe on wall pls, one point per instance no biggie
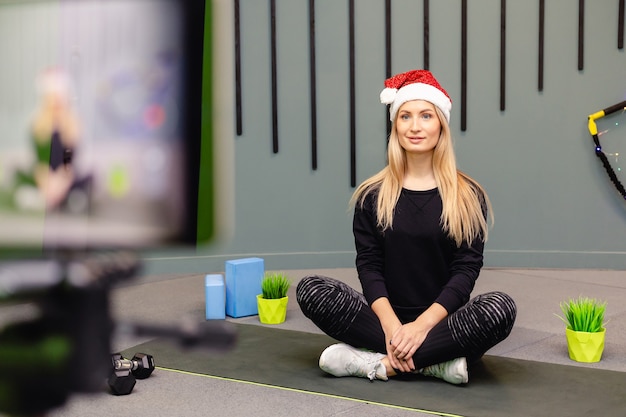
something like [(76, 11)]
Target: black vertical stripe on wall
[(387, 52), (581, 34), (620, 25), (542, 22), (274, 78), (313, 88), (352, 95), (426, 35), (238, 115), (387, 38), (502, 53), (463, 65), (388, 64)]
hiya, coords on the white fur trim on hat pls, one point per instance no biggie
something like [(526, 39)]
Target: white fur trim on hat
[(419, 91)]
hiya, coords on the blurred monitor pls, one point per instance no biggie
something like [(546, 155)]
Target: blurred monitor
[(100, 104)]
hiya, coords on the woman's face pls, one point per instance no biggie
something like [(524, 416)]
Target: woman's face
[(418, 126)]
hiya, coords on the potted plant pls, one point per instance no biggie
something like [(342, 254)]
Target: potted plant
[(272, 302), (585, 330)]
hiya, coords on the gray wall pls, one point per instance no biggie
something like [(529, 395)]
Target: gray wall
[(554, 205)]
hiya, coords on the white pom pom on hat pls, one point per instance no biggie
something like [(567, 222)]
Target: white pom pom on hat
[(388, 95), (414, 85)]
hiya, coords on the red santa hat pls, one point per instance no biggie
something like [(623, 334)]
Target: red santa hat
[(414, 85)]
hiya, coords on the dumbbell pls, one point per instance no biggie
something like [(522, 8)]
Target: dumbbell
[(126, 371)]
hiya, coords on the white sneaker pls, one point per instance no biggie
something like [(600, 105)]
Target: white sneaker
[(344, 360), (454, 371)]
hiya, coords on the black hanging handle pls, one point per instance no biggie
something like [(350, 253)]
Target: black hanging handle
[(593, 130)]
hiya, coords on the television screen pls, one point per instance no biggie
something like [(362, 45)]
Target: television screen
[(100, 114)]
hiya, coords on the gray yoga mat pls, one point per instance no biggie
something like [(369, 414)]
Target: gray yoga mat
[(498, 386)]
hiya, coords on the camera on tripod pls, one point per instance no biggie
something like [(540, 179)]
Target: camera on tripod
[(100, 158)]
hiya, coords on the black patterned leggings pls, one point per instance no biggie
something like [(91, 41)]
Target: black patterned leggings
[(343, 314)]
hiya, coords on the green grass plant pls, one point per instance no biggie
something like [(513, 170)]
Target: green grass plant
[(275, 285), (583, 314)]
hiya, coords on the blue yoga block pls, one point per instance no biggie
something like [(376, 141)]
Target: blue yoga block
[(243, 284), (214, 297)]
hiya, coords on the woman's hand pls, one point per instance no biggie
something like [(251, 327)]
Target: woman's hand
[(404, 364), (408, 338), (390, 324), (405, 342)]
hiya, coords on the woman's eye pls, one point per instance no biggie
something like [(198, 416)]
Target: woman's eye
[(405, 117), (427, 116)]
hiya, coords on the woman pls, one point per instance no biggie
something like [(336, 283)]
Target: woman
[(55, 133), (419, 228)]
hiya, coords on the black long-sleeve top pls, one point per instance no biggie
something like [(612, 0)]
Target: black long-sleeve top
[(415, 263)]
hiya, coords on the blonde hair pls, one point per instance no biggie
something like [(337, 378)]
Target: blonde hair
[(464, 200)]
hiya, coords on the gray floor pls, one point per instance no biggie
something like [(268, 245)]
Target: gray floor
[(538, 335)]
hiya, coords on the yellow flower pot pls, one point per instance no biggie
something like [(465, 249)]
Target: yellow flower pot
[(272, 311), (584, 346)]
